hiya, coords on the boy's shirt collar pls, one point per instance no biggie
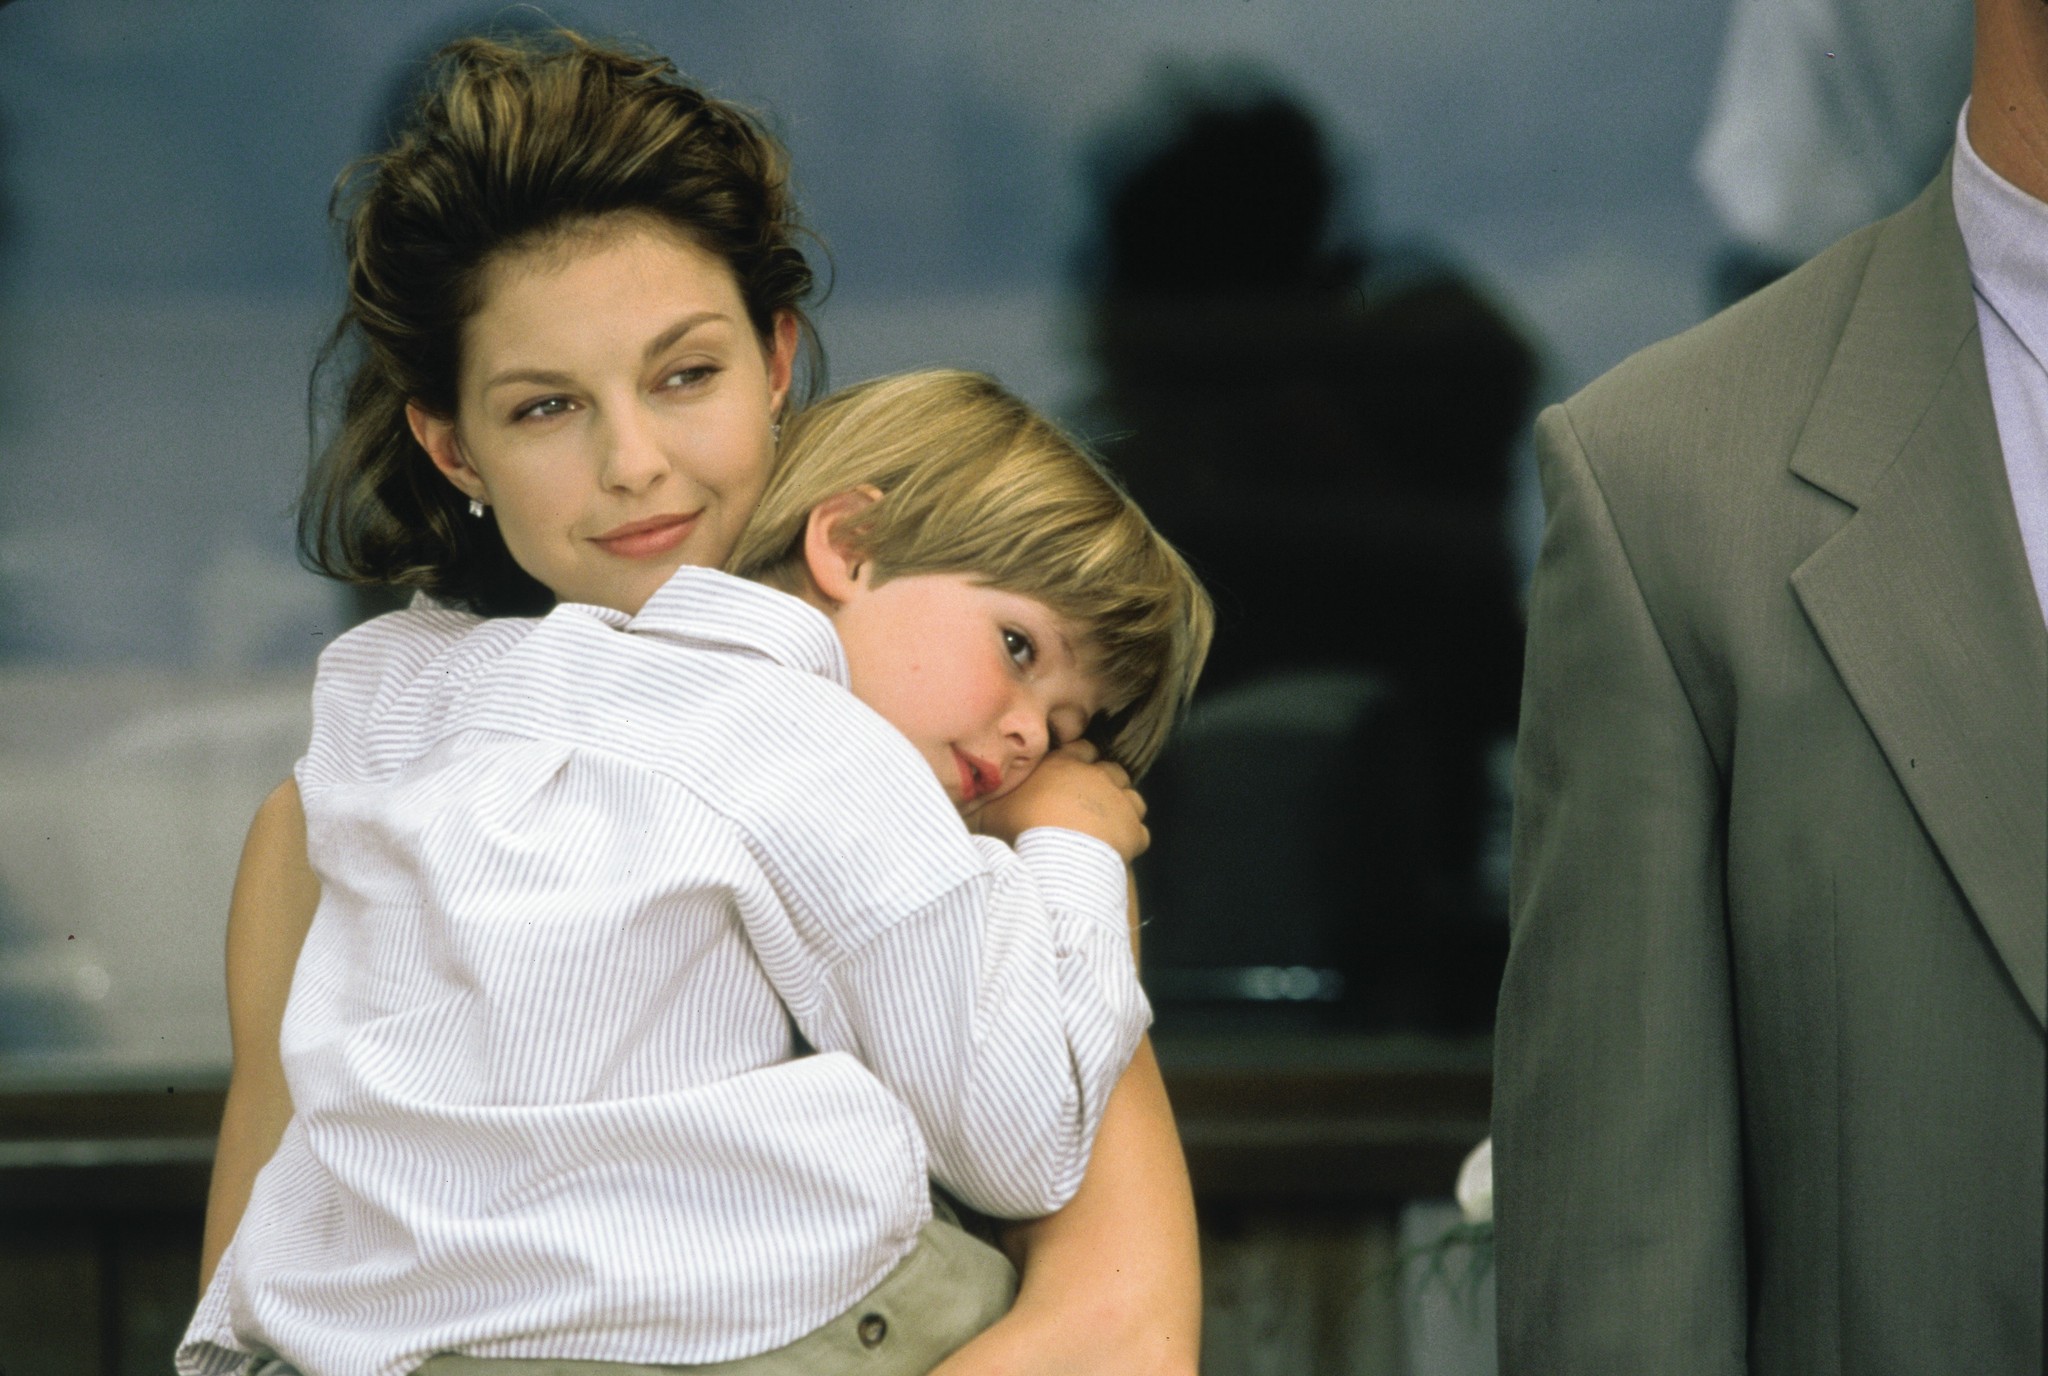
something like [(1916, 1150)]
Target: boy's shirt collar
[(707, 608)]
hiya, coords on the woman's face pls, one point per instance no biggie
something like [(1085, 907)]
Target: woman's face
[(614, 410)]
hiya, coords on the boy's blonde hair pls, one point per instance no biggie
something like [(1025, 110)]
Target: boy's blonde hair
[(975, 482)]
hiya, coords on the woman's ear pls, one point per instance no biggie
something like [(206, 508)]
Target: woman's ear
[(837, 566), (781, 357), (437, 436)]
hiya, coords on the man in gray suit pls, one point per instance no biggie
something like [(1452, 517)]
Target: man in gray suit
[(1770, 1080)]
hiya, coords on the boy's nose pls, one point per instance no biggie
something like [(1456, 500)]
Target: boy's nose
[(1027, 733)]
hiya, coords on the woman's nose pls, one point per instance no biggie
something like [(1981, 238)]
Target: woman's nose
[(633, 458)]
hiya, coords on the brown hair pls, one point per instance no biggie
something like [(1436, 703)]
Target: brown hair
[(976, 482), (513, 143)]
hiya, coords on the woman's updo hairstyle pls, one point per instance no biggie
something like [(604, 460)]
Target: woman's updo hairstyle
[(513, 143)]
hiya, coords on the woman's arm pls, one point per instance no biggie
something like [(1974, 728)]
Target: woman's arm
[(274, 897), (1112, 1283)]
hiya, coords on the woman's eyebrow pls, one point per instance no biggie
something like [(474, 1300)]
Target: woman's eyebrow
[(682, 327), (539, 377), (546, 377)]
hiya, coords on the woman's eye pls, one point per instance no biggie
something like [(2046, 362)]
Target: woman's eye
[(1021, 650), (545, 407), (689, 377)]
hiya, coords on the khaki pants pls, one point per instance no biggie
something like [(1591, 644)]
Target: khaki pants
[(949, 1288)]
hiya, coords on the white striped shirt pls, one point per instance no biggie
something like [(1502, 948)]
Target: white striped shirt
[(583, 880)]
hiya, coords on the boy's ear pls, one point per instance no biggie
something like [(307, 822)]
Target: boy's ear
[(437, 436), (836, 565)]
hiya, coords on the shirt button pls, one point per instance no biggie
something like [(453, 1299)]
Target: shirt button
[(873, 1328)]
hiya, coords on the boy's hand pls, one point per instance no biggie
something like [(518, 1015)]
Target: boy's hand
[(1073, 788)]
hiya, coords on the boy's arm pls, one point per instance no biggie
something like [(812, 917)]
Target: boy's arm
[(1002, 1014), (991, 989)]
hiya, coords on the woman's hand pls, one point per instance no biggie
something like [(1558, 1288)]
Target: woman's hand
[(274, 898), (1074, 788)]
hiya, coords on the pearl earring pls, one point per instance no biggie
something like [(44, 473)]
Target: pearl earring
[(476, 508), (775, 431)]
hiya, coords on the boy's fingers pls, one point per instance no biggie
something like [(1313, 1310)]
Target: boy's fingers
[(1137, 802), (1082, 750), (1116, 773)]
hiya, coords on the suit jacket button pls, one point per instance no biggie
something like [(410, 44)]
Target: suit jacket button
[(873, 1328)]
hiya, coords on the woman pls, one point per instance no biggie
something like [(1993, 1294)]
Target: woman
[(446, 381)]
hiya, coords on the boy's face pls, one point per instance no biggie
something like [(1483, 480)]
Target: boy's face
[(982, 681)]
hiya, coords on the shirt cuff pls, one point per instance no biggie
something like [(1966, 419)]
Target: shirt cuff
[(209, 1347), (1078, 876)]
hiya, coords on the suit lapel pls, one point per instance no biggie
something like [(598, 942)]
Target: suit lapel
[(1922, 598)]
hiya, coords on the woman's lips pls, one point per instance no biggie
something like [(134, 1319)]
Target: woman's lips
[(645, 539), (978, 778)]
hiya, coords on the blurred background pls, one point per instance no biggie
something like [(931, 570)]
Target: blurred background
[(1301, 270)]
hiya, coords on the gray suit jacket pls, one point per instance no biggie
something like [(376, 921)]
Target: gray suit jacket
[(1770, 1078)]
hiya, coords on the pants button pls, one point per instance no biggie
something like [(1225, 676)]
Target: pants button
[(873, 1328)]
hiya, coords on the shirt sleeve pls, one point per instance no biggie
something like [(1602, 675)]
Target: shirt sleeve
[(1003, 1013), (209, 1347)]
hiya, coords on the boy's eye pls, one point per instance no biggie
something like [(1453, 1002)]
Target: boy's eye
[(1022, 651)]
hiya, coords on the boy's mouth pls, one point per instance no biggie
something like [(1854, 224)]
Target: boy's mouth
[(978, 778)]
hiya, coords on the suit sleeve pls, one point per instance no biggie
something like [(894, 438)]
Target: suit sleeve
[(1616, 1124)]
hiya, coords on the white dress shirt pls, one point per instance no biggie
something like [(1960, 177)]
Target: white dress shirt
[(2005, 234), (584, 879)]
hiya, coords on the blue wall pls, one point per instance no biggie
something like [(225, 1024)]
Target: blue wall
[(167, 268)]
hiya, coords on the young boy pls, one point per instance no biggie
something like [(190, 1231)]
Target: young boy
[(594, 886)]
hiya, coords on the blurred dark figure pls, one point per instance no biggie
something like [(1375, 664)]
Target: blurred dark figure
[(1327, 432)]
